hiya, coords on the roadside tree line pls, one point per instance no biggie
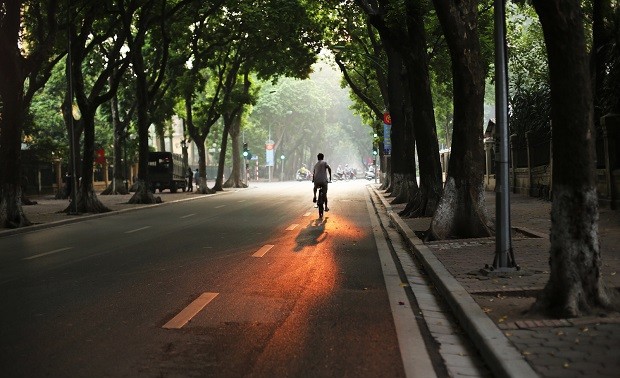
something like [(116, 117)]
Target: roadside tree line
[(427, 64)]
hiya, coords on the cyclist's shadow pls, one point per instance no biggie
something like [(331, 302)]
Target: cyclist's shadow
[(313, 234)]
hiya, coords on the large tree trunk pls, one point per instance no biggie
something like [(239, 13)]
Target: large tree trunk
[(117, 186), (403, 173), (87, 201), (11, 118), (575, 285), (237, 176), (460, 213), (199, 140), (219, 180), (426, 199), (11, 213)]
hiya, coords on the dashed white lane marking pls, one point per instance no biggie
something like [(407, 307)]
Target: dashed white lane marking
[(137, 229), (292, 227), (187, 216), (261, 252), (217, 207), (47, 253), (241, 201), (307, 214), (190, 311)]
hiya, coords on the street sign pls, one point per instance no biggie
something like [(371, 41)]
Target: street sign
[(387, 138), (269, 145)]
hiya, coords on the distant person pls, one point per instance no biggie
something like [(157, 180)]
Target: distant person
[(190, 180), (196, 178), (319, 177)]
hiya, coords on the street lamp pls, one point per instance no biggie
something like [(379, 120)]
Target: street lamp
[(282, 163), (504, 261), (71, 119)]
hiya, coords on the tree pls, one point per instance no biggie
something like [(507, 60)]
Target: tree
[(96, 62), (147, 24), (19, 64), (425, 201), (460, 213), (575, 285), (232, 116), (387, 19), (359, 55)]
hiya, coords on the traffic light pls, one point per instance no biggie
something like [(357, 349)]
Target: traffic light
[(246, 152), (374, 152)]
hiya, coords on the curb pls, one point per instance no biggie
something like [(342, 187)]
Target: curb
[(43, 226), (502, 357)]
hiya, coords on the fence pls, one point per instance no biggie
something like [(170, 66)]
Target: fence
[(531, 167)]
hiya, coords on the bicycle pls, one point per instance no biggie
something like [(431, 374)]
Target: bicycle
[(320, 202)]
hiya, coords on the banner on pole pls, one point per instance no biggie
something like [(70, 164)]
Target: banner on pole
[(269, 160)]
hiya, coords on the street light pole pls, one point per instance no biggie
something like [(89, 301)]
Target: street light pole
[(282, 173), (504, 257), (71, 124)]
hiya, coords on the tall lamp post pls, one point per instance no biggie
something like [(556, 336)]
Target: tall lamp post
[(282, 162), (504, 260), (71, 118)]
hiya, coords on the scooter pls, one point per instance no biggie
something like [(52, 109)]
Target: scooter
[(301, 176)]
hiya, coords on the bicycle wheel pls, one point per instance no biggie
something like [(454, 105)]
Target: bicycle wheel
[(320, 203)]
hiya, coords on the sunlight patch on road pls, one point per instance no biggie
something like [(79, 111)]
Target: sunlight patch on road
[(190, 311), (292, 227)]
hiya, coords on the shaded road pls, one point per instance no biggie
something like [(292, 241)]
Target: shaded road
[(269, 289)]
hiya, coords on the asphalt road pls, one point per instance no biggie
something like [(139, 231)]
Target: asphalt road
[(243, 283)]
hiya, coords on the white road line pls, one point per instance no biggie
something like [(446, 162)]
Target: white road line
[(261, 252), (137, 229), (190, 311), (187, 216), (47, 253), (308, 214), (217, 207), (292, 227), (241, 201)]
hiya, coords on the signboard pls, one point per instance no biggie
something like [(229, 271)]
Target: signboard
[(387, 119), (387, 133), (269, 161)]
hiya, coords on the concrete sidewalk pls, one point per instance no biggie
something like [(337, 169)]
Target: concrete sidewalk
[(493, 310)]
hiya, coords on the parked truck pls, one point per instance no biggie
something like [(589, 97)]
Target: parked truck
[(166, 171)]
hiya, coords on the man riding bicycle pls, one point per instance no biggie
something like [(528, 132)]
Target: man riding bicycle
[(319, 177)]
